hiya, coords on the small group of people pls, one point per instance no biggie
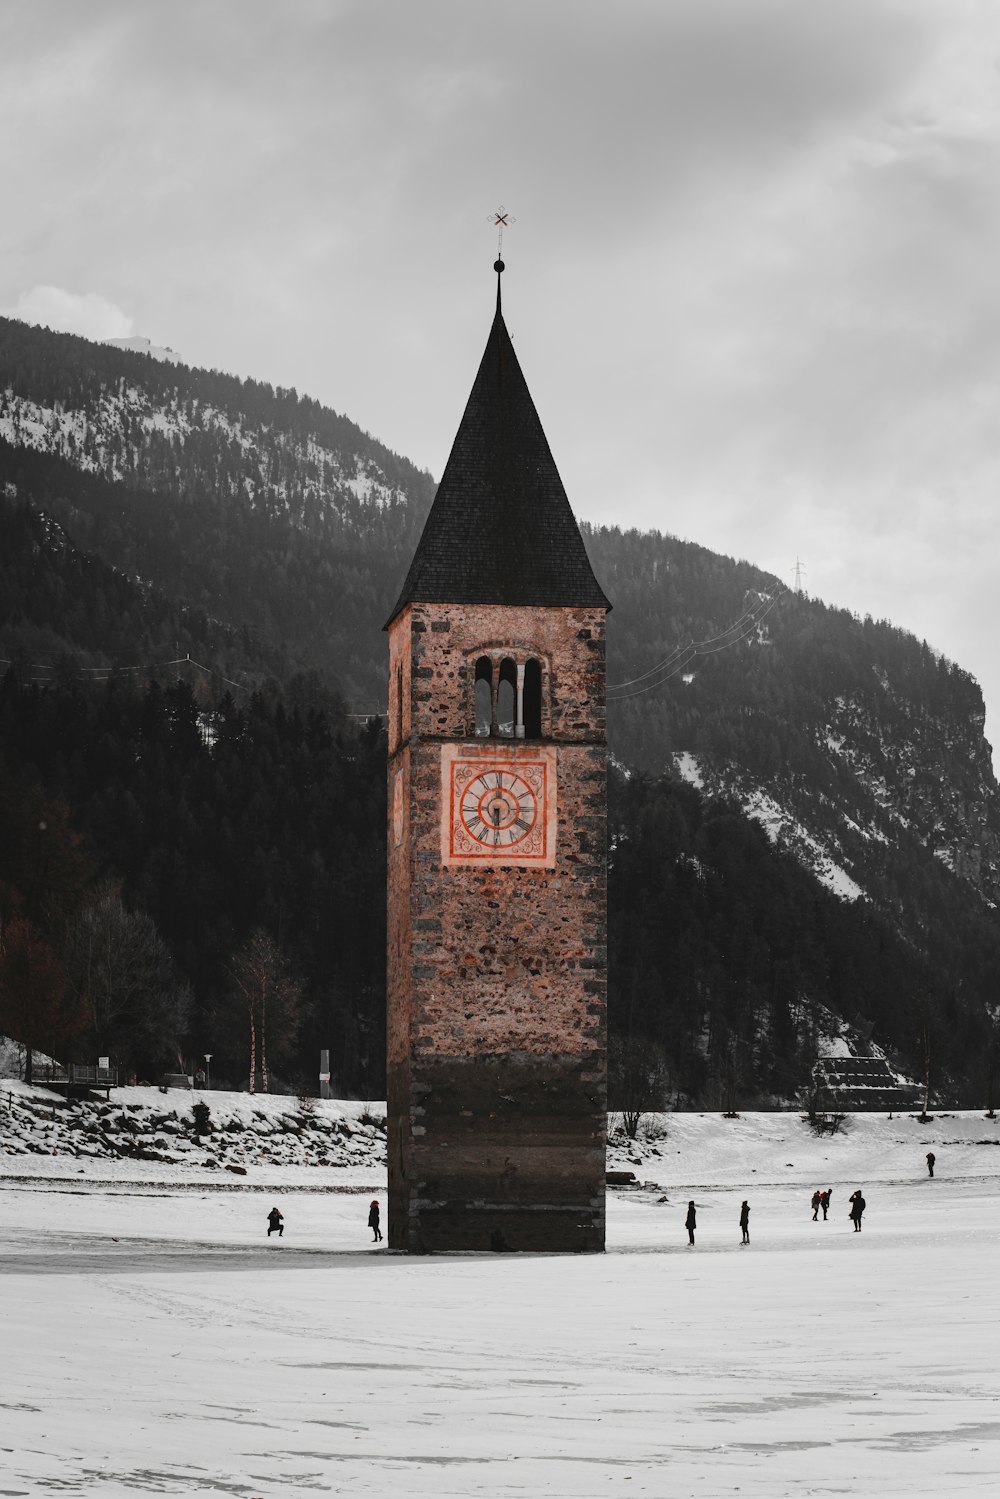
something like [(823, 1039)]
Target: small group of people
[(276, 1222), (821, 1199), (691, 1221)]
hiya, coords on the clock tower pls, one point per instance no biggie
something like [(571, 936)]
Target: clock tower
[(497, 850)]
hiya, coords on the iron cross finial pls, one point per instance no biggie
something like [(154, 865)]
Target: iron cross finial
[(501, 220)]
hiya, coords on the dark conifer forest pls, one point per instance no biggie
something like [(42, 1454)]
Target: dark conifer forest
[(194, 575)]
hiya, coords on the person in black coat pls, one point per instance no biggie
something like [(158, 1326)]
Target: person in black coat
[(275, 1222), (858, 1206), (930, 1162), (745, 1220), (373, 1215), (814, 1204), (690, 1222), (824, 1201)]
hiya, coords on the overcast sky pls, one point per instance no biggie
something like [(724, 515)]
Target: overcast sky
[(752, 280)]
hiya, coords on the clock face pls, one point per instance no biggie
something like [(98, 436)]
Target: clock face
[(498, 806)]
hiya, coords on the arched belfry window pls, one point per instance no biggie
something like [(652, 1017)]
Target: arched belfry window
[(484, 697), (532, 702), (507, 699)]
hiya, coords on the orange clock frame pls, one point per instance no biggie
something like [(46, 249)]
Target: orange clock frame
[(498, 804)]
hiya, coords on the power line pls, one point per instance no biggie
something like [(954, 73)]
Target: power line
[(105, 673), (683, 656), (681, 650)]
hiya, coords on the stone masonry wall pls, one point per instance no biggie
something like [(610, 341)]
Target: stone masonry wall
[(497, 972)]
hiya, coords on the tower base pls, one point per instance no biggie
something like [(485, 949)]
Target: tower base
[(502, 1153)]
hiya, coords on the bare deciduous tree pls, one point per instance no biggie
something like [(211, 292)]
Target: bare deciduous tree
[(269, 999), (638, 1080)]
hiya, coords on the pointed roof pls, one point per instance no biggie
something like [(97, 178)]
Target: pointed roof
[(500, 530)]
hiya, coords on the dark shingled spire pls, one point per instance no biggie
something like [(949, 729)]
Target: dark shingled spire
[(501, 530)]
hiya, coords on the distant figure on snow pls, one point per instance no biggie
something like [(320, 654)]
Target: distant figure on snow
[(858, 1206), (373, 1222), (930, 1162), (816, 1199), (274, 1222), (824, 1201), (690, 1222), (745, 1220)]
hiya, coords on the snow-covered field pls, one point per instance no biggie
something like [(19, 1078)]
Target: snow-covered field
[(156, 1342)]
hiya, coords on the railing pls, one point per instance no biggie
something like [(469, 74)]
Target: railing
[(84, 1073)]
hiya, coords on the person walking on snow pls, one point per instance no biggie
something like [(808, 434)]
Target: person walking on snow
[(745, 1220), (824, 1202), (930, 1162), (858, 1206), (274, 1221), (373, 1213), (815, 1204), (690, 1222)]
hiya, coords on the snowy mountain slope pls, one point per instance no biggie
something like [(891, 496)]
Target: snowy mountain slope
[(125, 437), (881, 780), (854, 743)]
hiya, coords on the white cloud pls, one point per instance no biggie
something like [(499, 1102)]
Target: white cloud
[(87, 313)]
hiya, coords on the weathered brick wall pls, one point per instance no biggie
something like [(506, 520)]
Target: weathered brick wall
[(497, 974)]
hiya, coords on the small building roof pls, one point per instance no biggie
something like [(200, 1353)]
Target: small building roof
[(500, 530)]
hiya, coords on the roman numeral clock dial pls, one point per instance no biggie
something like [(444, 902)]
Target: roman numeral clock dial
[(500, 809)]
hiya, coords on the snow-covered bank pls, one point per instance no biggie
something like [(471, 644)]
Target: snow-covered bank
[(755, 1149), (267, 1140), (149, 1134)]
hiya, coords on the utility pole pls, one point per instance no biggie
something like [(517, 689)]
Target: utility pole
[(799, 570)]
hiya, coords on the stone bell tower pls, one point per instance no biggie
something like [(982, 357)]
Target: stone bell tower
[(497, 892)]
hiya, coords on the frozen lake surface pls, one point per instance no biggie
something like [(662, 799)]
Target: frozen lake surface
[(156, 1342)]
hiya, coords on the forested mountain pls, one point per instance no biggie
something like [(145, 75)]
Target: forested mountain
[(252, 507), (194, 573)]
